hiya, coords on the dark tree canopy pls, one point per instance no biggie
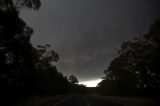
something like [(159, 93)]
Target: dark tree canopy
[(72, 79), (24, 69), (137, 67), (17, 56), (18, 4)]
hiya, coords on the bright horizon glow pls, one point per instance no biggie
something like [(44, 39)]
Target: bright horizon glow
[(91, 83)]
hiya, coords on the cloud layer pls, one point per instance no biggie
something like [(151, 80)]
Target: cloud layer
[(88, 33)]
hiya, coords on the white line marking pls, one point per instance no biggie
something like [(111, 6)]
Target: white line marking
[(62, 101)]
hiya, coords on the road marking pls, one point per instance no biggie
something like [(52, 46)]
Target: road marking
[(62, 101), (87, 103)]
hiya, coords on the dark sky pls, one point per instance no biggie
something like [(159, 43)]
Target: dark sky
[(88, 33)]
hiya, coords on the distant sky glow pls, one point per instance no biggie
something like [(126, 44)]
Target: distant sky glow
[(91, 83)]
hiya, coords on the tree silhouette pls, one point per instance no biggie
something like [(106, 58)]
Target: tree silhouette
[(137, 66), (17, 61), (48, 79), (18, 4), (72, 79)]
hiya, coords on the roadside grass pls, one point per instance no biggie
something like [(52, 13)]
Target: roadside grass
[(130, 101), (40, 100)]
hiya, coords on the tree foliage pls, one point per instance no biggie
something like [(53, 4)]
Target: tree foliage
[(24, 69), (6, 5), (17, 59), (48, 79), (137, 67), (72, 79)]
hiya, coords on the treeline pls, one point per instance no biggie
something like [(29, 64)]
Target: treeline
[(26, 70), (136, 71)]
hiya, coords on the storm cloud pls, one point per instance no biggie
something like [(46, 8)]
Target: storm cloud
[(88, 33)]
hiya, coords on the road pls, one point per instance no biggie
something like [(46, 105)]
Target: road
[(84, 100)]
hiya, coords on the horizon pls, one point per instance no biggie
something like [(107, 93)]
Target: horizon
[(91, 83)]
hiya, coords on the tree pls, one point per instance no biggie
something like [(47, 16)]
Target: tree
[(17, 59), (72, 79), (48, 79), (25, 70), (18, 4), (137, 66)]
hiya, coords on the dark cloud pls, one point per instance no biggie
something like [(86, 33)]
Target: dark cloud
[(87, 33)]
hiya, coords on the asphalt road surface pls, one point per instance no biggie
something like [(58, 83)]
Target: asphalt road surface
[(84, 100)]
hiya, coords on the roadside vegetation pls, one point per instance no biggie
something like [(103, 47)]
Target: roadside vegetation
[(26, 70), (28, 73), (136, 71)]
